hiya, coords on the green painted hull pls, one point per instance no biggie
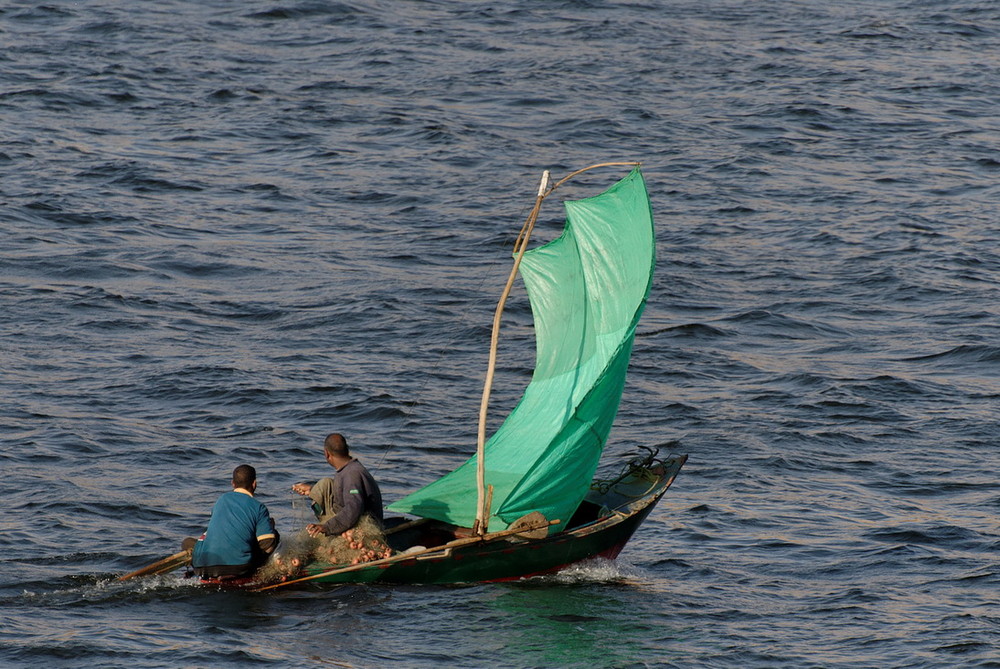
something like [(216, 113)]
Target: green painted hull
[(618, 513)]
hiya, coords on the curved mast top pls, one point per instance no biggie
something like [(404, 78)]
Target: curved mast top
[(520, 246)]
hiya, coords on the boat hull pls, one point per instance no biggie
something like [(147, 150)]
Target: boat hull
[(513, 557)]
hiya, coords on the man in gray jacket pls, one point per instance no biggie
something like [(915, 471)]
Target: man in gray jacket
[(340, 502)]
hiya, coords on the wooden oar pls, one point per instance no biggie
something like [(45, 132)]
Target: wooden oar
[(166, 565), (401, 557)]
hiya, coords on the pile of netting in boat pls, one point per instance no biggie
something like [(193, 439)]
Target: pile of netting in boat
[(364, 542)]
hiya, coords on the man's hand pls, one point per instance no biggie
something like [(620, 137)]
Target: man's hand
[(302, 488), (315, 530)]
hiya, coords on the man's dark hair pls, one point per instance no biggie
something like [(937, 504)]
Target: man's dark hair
[(335, 444), (244, 476)]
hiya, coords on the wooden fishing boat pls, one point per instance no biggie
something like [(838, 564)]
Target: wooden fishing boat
[(435, 552), (538, 506)]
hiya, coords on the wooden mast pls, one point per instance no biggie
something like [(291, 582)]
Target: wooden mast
[(484, 496), (520, 246)]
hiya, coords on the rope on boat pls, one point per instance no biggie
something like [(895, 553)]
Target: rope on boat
[(633, 467)]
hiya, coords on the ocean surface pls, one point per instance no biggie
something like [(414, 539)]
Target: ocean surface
[(229, 228)]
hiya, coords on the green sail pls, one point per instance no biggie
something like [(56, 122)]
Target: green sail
[(587, 290)]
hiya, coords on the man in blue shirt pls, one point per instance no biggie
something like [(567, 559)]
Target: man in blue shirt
[(240, 535), (341, 501)]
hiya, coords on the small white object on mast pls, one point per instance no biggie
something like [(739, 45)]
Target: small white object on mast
[(545, 183)]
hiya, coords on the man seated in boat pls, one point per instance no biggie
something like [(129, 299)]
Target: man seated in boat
[(341, 502), (240, 535)]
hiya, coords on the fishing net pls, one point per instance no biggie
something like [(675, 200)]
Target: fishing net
[(364, 542)]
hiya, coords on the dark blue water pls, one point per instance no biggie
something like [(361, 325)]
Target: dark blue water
[(229, 228)]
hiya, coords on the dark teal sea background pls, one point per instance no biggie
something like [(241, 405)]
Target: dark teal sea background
[(229, 228)]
